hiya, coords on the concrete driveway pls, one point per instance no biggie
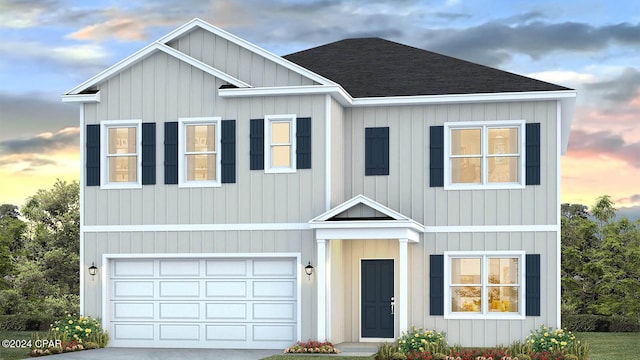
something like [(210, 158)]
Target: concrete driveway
[(165, 354)]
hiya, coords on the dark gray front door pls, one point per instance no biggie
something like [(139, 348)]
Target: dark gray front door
[(377, 293)]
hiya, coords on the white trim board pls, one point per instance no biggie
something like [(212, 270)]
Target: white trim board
[(343, 225)]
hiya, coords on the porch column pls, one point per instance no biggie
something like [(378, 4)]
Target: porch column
[(403, 306), (322, 289)]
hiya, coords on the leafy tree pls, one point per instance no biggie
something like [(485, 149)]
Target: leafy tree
[(44, 249), (600, 261)]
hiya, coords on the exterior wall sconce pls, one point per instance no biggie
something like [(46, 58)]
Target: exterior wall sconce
[(309, 270), (93, 269)]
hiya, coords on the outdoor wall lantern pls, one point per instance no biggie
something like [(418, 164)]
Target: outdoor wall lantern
[(93, 269), (308, 269)]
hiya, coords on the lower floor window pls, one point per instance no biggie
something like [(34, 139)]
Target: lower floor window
[(484, 284)]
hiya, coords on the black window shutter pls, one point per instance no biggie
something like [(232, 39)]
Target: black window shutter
[(148, 153), (532, 285), (256, 150), (228, 148), (376, 151), (92, 160), (533, 154), (436, 156), (171, 152), (436, 284), (303, 143)]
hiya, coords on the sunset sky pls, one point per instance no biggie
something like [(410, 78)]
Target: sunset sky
[(49, 46)]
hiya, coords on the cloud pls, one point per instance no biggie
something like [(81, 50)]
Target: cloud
[(621, 88), (22, 14), (604, 144), (41, 143), (21, 114), (76, 54)]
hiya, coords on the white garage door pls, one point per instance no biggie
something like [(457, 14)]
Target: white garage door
[(239, 303)]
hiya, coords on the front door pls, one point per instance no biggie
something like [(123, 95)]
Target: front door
[(377, 299)]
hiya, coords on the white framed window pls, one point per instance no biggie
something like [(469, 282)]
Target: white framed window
[(484, 285), (280, 143), (199, 152), (484, 155), (121, 154)]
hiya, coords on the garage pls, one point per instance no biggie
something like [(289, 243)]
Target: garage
[(228, 302)]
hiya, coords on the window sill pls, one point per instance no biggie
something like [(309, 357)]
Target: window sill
[(199, 184), (504, 186), (115, 186), (280, 171), (474, 316)]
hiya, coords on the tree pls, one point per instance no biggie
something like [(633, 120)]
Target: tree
[(44, 275)]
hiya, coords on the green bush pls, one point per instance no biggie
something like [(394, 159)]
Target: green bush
[(523, 357), (624, 324), (398, 356), (586, 323), (81, 329), (547, 339), (579, 349), (421, 340), (386, 351), (519, 347)]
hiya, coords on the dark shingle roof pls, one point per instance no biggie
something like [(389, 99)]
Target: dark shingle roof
[(369, 67)]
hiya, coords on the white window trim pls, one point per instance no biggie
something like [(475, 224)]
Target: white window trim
[(182, 124), (104, 150), (484, 314), (448, 126), (268, 119)]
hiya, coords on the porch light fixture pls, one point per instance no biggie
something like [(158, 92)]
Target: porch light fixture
[(93, 269), (308, 270)]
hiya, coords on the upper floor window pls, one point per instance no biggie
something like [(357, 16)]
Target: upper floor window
[(484, 155), (121, 153), (483, 285), (280, 144), (199, 158)]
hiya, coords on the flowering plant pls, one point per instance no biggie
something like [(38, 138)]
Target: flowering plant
[(549, 340), (77, 328), (313, 347), (421, 340)]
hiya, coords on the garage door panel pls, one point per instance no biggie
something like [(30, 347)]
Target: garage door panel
[(226, 311), (179, 289), (179, 332), (227, 332), (133, 332), (266, 267), (179, 311), (179, 268), (227, 267), (133, 268), (239, 303), (274, 333), (132, 311), (275, 288), (131, 289), (225, 289), (274, 311)]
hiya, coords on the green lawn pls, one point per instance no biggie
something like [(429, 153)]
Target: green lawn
[(12, 354), (612, 346)]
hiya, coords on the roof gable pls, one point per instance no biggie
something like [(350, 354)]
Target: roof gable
[(374, 67), (362, 205), (162, 44)]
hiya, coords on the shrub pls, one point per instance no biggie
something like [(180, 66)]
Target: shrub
[(386, 351), (420, 340), (80, 329), (579, 349), (519, 347), (586, 323), (548, 340), (439, 356), (313, 347), (570, 357), (419, 355), (624, 324), (398, 356), (523, 357)]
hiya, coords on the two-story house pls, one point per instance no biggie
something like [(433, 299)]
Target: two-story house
[(234, 198)]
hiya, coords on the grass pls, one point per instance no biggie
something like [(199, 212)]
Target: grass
[(15, 353), (612, 346)]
